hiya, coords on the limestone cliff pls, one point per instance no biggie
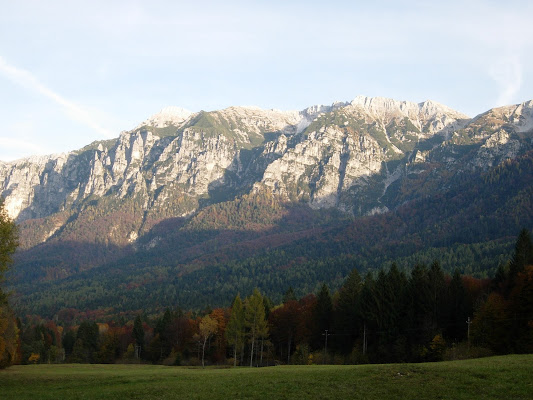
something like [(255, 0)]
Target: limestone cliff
[(350, 156)]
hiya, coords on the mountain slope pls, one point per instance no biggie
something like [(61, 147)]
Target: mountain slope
[(189, 265), (187, 193)]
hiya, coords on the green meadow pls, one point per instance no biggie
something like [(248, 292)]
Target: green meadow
[(506, 377)]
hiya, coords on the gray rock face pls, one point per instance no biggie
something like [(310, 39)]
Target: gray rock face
[(346, 155)]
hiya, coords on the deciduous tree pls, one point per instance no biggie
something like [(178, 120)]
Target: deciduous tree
[(8, 328), (208, 327)]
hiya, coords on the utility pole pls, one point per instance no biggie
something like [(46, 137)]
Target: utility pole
[(326, 346), (468, 322), (364, 339)]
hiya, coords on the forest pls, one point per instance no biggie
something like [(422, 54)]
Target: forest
[(383, 317)]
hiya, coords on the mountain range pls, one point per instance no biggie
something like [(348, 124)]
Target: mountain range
[(191, 208)]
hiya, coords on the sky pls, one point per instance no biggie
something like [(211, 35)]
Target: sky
[(72, 72)]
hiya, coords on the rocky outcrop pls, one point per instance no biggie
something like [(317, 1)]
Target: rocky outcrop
[(346, 155)]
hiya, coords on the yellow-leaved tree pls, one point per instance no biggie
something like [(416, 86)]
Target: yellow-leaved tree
[(208, 327), (8, 326)]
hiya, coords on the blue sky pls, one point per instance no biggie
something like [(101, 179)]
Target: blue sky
[(72, 72)]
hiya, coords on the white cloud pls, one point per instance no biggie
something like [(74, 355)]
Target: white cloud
[(70, 108)]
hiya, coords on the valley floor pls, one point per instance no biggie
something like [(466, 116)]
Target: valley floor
[(506, 377)]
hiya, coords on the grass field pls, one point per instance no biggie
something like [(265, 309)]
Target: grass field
[(508, 377)]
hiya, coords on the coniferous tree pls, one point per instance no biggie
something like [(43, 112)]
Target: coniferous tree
[(523, 254), (457, 310), (322, 316), (289, 295), (384, 305), (255, 321), (520, 308), (395, 311), (347, 313), (419, 311), (68, 342), (500, 277), (80, 353), (491, 325), (437, 287), (162, 330), (369, 312), (235, 331), (268, 304), (138, 335), (88, 336)]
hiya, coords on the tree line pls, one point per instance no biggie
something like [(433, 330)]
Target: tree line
[(388, 316)]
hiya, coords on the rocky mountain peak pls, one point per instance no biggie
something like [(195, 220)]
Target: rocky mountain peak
[(171, 115), (383, 106), (343, 155), (313, 111), (520, 115), (430, 108)]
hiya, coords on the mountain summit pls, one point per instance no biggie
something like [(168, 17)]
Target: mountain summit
[(327, 156)]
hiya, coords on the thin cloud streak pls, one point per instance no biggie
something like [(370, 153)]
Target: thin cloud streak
[(508, 76), (26, 79)]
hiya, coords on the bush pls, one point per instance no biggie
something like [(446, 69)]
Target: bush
[(460, 351), (301, 355), (357, 356), (437, 347)]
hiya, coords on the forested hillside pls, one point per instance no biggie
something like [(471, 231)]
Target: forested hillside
[(386, 316)]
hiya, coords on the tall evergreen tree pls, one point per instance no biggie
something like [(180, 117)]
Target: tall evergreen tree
[(383, 307), (322, 316), (289, 295), (456, 310), (347, 313), (368, 310), (500, 277), (235, 331), (419, 312), (520, 307), (255, 321), (523, 254), (395, 313), (162, 329), (138, 335), (87, 337), (437, 287)]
